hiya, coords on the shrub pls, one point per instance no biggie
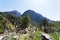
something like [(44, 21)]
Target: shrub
[(10, 38), (55, 36)]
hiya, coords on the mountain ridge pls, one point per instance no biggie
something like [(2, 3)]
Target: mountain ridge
[(15, 12), (35, 17)]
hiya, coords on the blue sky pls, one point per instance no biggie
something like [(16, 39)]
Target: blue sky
[(47, 8)]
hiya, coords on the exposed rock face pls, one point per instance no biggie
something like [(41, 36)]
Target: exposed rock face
[(46, 37), (4, 38)]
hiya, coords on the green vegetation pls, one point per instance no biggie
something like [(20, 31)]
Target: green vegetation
[(57, 26), (33, 36), (44, 25), (5, 24), (25, 21), (37, 35), (10, 38), (55, 36), (12, 23), (1, 27)]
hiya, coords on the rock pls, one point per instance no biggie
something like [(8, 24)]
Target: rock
[(46, 36)]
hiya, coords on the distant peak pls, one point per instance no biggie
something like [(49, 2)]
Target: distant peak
[(29, 11), (14, 11)]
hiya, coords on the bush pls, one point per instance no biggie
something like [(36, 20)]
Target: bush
[(55, 36), (1, 28), (10, 38), (37, 35)]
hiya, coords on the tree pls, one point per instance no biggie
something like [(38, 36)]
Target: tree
[(44, 25), (51, 27), (1, 27), (25, 21), (1, 24)]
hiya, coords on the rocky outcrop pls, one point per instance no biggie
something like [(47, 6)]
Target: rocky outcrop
[(46, 36)]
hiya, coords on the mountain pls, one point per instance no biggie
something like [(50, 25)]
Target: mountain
[(15, 12), (36, 17), (15, 20), (12, 19), (5, 23)]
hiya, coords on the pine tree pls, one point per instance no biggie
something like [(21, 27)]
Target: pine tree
[(25, 21)]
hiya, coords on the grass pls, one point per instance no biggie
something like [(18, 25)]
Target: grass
[(37, 35), (10, 38), (56, 36)]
